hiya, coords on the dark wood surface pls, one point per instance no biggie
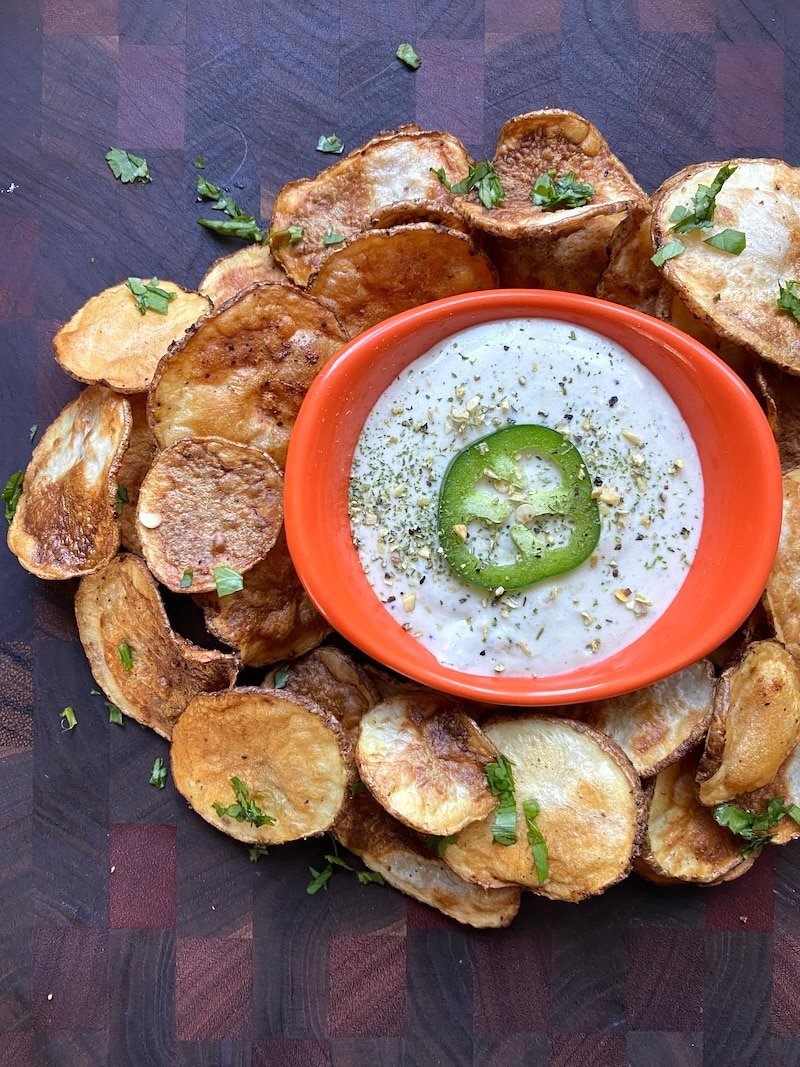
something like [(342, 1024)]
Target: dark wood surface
[(131, 933)]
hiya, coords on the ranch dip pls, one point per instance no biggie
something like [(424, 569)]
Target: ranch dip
[(638, 451)]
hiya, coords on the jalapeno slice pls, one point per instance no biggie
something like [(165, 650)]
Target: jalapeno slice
[(497, 458)]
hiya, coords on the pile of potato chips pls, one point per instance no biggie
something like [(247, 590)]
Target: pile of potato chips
[(175, 451)]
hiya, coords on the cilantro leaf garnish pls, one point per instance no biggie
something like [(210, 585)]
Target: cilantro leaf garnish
[(246, 228), (292, 234), (12, 493), (125, 655), (553, 192), (536, 840), (370, 878), (332, 860), (438, 844), (121, 499), (245, 809), (788, 298), (481, 176), (227, 581), (685, 219), (332, 143), (501, 783), (357, 787), (186, 578), (149, 296), (33, 431), (114, 713), (406, 54), (158, 775), (318, 879), (752, 827), (281, 676), (668, 251), (127, 167), (256, 852), (69, 722), (733, 241), (240, 224), (199, 162), (332, 238)]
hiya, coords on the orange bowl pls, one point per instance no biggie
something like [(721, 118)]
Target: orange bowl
[(739, 461)]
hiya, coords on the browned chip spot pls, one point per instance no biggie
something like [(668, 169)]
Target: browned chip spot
[(393, 850), (737, 295), (782, 594), (424, 760), (682, 842), (532, 144), (66, 522), (382, 272), (392, 168), (121, 605), (136, 462), (754, 726), (231, 275), (243, 371), (109, 341), (630, 278), (780, 393), (208, 503), (293, 757)]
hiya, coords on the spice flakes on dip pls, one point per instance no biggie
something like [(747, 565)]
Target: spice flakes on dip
[(525, 497)]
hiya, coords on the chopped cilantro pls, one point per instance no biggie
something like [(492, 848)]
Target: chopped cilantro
[(149, 296), (332, 238), (227, 581), (33, 431), (245, 809), (158, 775), (318, 879), (256, 852), (292, 234), (553, 192), (114, 713), (199, 162), (186, 579), (12, 493), (121, 499), (438, 844), (733, 241), (406, 54), (69, 722), (127, 167), (125, 655), (701, 217), (370, 878), (247, 228), (752, 827), (668, 251), (281, 676), (501, 783), (788, 299), (332, 143), (536, 840), (481, 176), (357, 787)]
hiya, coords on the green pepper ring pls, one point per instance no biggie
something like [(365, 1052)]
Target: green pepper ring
[(572, 498)]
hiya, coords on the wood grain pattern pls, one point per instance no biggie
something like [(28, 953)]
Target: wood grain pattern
[(132, 933)]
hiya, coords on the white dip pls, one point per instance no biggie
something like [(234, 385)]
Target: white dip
[(638, 451)]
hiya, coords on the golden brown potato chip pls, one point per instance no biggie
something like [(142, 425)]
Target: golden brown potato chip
[(629, 277), (272, 618), (243, 371), (292, 758), (755, 724), (333, 680), (531, 145), (393, 850), (66, 521), (780, 393), (423, 760), (782, 594), (571, 262), (682, 842), (737, 294), (110, 342), (406, 212), (208, 503), (231, 275), (393, 168), (120, 615), (591, 810), (381, 272), (654, 726), (786, 785), (671, 308), (136, 462)]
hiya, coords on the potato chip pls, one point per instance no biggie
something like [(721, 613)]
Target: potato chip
[(66, 520), (736, 295), (782, 594), (208, 503), (424, 759), (671, 308), (292, 758), (136, 462), (386, 846), (333, 680), (654, 726), (786, 785), (231, 275), (630, 278), (406, 212), (392, 168), (382, 272), (755, 724), (780, 393), (532, 145), (147, 670), (682, 841), (591, 810), (110, 342), (242, 373)]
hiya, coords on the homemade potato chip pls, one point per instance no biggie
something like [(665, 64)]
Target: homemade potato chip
[(754, 726), (272, 618), (590, 810), (409, 211), (231, 275), (243, 371), (671, 308), (392, 168), (782, 594), (737, 295), (208, 503), (136, 461), (66, 520), (291, 758), (333, 680), (780, 393), (381, 272), (629, 277), (424, 760), (386, 846), (786, 785), (110, 342), (147, 670), (559, 143), (654, 726), (682, 841)]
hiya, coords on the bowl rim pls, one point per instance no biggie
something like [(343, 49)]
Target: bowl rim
[(318, 549)]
